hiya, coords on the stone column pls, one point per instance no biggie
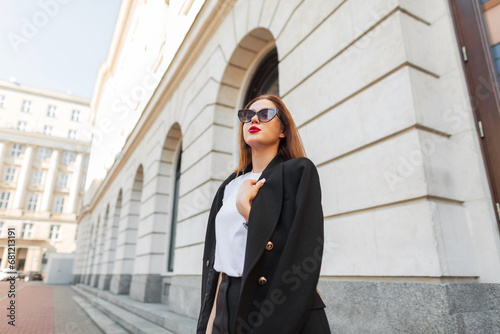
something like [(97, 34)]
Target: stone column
[(97, 255), (109, 249), (23, 179), (28, 262), (75, 184), (126, 242), (4, 257), (50, 180), (2, 152), (35, 258)]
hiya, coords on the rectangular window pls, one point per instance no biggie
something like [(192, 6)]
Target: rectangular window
[(16, 150), (32, 201), (27, 231), (495, 50), (59, 204), (75, 115), (26, 106), (9, 176), (68, 157), (51, 111), (43, 153), (54, 232), (47, 130), (21, 125), (2, 99), (4, 200), (71, 134), (1, 229), (37, 177), (63, 180)]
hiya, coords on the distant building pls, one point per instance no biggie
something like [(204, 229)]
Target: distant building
[(397, 104), (44, 147)]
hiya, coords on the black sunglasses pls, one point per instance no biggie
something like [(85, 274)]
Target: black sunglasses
[(265, 115)]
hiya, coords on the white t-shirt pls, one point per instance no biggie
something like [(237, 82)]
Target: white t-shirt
[(230, 233)]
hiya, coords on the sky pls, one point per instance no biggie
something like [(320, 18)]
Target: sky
[(56, 44)]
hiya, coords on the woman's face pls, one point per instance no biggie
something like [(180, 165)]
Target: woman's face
[(270, 132)]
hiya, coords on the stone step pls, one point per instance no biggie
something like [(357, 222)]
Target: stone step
[(157, 314), (107, 325), (131, 322)]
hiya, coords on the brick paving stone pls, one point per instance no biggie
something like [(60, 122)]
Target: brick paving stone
[(34, 311), (5, 286), (44, 309)]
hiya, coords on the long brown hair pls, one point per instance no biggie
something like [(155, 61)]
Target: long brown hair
[(289, 147)]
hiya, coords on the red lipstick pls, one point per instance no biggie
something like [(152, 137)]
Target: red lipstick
[(253, 129)]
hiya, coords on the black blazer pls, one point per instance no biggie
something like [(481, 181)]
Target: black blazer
[(283, 254)]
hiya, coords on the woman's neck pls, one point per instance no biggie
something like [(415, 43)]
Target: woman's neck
[(261, 158)]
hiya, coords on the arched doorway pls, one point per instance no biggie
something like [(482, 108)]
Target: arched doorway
[(252, 70), (109, 254), (157, 228), (127, 239), (265, 80)]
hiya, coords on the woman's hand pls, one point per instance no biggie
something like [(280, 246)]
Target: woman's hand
[(247, 192)]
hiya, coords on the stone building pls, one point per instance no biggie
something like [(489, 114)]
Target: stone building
[(388, 104), (44, 148)]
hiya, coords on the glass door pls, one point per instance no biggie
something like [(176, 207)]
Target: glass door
[(477, 25)]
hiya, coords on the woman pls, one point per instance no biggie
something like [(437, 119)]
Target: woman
[(264, 240)]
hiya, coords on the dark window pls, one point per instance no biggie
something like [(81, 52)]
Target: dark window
[(173, 225), (495, 50), (265, 80), (20, 264)]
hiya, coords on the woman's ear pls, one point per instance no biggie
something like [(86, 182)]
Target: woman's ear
[(282, 134)]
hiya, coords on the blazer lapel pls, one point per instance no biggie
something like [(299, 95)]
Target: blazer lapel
[(265, 212), (210, 240)]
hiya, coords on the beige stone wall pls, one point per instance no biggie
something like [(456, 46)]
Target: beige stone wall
[(379, 95)]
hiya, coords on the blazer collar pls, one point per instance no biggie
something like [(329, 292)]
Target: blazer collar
[(263, 218), (270, 166), (265, 173)]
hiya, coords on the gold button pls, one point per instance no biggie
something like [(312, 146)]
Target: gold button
[(208, 262), (262, 280), (269, 245)]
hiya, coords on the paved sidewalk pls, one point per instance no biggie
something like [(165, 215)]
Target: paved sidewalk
[(68, 316), (5, 287), (43, 309)]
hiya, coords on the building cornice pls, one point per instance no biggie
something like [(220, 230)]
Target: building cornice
[(207, 21), (38, 139), (44, 219), (44, 93), (28, 242)]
